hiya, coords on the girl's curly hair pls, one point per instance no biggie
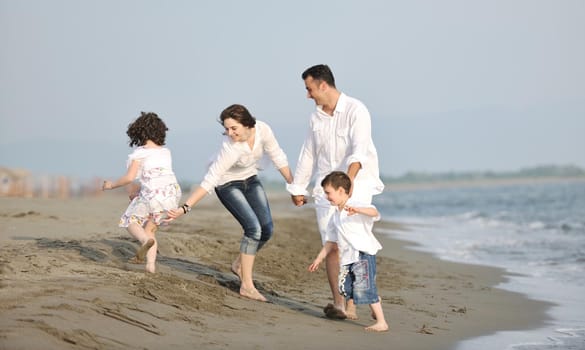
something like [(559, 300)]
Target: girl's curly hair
[(147, 127)]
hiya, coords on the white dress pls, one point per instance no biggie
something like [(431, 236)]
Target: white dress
[(159, 189)]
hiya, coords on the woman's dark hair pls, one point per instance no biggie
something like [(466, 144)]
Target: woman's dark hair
[(337, 179), (147, 127), (238, 113), (320, 72)]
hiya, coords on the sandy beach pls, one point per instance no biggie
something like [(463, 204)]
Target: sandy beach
[(65, 283)]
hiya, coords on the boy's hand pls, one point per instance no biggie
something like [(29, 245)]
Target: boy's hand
[(314, 266), (351, 211)]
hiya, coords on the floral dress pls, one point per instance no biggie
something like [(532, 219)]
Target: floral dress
[(159, 190)]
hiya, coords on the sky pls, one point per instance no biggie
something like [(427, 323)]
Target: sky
[(451, 85)]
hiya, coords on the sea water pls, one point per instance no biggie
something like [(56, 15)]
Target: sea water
[(535, 231)]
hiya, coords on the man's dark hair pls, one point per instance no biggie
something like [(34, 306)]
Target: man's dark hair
[(320, 72)]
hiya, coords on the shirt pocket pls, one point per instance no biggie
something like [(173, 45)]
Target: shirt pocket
[(342, 136)]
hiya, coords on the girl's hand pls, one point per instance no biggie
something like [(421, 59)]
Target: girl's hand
[(107, 185), (133, 195)]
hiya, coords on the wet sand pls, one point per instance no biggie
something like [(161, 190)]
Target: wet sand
[(65, 283)]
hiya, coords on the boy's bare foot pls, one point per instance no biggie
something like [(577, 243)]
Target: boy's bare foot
[(252, 293), (331, 311), (141, 252), (377, 327), (350, 311)]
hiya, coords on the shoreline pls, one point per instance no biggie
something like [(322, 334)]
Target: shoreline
[(72, 287)]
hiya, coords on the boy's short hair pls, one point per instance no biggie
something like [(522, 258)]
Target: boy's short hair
[(337, 179)]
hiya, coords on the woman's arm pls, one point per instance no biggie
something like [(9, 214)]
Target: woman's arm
[(286, 173), (193, 199)]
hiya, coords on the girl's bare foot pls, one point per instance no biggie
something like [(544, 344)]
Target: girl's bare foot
[(377, 327), (150, 267), (141, 253), (252, 293)]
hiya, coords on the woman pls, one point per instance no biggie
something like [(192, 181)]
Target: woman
[(233, 175)]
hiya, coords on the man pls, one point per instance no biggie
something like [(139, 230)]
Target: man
[(339, 139)]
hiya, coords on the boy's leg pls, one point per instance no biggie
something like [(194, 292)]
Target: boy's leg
[(350, 310), (380, 325)]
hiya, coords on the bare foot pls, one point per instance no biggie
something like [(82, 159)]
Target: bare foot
[(237, 268), (150, 268), (350, 311), (331, 311), (141, 253), (252, 293), (377, 327)]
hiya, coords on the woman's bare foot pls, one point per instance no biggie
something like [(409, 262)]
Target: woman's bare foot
[(377, 327), (237, 268), (141, 253), (252, 293)]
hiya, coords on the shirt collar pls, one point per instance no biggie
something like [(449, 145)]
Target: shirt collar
[(339, 107)]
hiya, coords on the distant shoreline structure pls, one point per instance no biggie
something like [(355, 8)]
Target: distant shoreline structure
[(538, 174), (23, 183)]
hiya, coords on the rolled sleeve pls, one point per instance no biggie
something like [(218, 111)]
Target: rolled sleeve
[(360, 135)]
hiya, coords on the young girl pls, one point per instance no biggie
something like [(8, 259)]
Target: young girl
[(233, 176), (159, 191)]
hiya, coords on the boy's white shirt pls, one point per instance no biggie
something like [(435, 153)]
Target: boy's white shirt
[(353, 233)]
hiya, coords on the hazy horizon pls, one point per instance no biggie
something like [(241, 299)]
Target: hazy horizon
[(451, 86)]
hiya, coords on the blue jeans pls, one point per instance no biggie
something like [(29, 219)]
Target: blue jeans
[(358, 280), (247, 202)]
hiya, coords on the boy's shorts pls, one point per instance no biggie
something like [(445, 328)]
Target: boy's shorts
[(357, 281)]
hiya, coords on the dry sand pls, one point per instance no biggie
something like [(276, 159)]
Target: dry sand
[(66, 284)]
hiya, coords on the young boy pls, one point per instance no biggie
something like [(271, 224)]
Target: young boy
[(351, 228)]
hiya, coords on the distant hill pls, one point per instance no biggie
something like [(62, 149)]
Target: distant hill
[(544, 171)]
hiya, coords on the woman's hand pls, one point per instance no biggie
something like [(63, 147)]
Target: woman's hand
[(175, 213)]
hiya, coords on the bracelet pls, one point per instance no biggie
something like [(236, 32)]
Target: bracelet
[(186, 208)]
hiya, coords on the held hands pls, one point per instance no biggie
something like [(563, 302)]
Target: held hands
[(175, 213), (298, 200)]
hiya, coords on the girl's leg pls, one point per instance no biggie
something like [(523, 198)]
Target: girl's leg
[(380, 325), (141, 234), (150, 230)]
